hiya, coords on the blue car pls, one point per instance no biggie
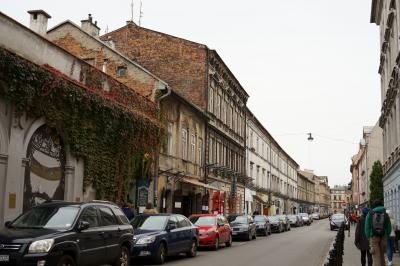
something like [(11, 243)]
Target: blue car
[(160, 235)]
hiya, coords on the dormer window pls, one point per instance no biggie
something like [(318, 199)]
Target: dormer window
[(121, 71)]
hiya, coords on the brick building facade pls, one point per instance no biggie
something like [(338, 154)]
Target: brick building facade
[(200, 76)]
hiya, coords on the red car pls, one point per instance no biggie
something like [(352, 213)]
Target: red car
[(214, 230)]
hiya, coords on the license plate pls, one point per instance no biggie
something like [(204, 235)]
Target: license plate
[(234, 233), (4, 258)]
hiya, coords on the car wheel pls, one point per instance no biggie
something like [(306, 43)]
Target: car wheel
[(123, 258), (216, 246), (66, 260), (229, 243), (193, 249), (161, 254)]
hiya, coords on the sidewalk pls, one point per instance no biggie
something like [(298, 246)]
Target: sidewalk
[(352, 255)]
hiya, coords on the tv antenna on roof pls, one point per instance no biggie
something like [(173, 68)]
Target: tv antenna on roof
[(140, 13)]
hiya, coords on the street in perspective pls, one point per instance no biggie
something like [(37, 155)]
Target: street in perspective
[(200, 133)]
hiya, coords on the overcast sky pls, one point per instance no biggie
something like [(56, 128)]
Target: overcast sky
[(308, 65)]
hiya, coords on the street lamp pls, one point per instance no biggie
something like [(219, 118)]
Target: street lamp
[(310, 137)]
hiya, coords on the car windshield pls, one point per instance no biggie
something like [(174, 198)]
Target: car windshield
[(303, 214), (292, 217), (238, 219), (259, 218), (203, 220), (149, 222), (273, 218), (338, 217), (54, 217)]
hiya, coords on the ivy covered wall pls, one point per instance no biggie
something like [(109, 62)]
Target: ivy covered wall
[(114, 131)]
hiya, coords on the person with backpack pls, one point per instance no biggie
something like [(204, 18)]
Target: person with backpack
[(377, 230), (391, 239), (361, 240)]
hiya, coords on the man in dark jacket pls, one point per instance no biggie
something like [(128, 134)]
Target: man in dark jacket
[(377, 230), (361, 240)]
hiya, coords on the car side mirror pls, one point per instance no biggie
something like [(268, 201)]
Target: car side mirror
[(171, 226), (7, 224), (83, 225)]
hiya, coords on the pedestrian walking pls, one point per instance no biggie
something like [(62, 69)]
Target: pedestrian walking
[(391, 239), (377, 231), (149, 209), (128, 211), (361, 240)]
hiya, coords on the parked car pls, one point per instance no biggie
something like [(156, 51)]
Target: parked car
[(276, 224), (160, 235), (294, 220), (263, 227), (63, 233), (286, 222), (315, 216), (336, 221), (214, 230), (243, 226), (306, 218)]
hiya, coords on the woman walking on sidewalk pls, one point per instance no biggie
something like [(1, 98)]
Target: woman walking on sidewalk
[(361, 240), (391, 239)]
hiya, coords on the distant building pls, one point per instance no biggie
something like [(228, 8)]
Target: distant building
[(385, 14), (340, 198), (273, 173), (370, 150), (305, 192)]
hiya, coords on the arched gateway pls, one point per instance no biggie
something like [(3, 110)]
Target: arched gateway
[(45, 170)]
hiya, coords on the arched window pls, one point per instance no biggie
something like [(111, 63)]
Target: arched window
[(45, 171)]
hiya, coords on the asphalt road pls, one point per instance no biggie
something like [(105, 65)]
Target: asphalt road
[(304, 246)]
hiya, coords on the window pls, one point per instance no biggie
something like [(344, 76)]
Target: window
[(170, 138), (251, 169), (211, 101), (184, 144), (200, 151), (223, 110), (229, 115), (257, 147), (251, 140), (90, 215), (90, 61), (121, 71), (193, 148), (262, 149), (107, 216), (218, 111), (121, 216), (182, 221)]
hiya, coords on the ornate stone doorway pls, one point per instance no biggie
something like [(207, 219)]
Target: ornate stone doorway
[(45, 169)]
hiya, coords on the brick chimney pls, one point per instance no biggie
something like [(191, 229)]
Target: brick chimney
[(90, 27), (38, 21)]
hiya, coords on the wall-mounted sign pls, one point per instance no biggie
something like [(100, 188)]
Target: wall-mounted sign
[(12, 200), (178, 204), (143, 195)]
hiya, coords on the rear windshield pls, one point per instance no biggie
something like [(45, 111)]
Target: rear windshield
[(238, 219), (203, 220), (149, 222), (259, 218)]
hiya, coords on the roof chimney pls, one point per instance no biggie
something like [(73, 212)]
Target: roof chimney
[(38, 21), (90, 27)]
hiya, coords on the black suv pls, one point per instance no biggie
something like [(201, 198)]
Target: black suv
[(68, 233)]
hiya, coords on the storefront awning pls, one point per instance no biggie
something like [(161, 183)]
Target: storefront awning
[(197, 183), (259, 199)]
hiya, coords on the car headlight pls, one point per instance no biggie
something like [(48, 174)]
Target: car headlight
[(146, 240), (41, 246)]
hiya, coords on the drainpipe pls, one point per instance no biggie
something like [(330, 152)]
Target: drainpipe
[(156, 161)]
